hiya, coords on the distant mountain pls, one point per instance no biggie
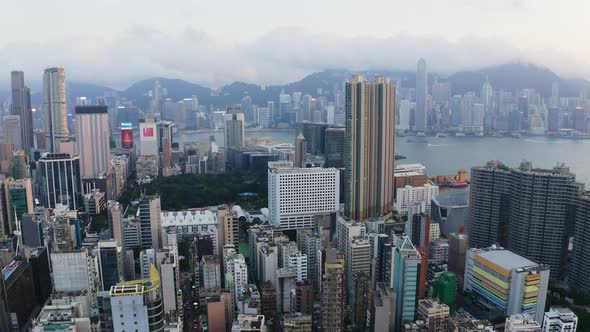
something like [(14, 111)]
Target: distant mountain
[(510, 77)]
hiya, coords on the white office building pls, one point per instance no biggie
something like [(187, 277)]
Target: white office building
[(559, 319), (236, 273), (405, 108), (190, 223), (298, 196), (408, 197), (298, 263)]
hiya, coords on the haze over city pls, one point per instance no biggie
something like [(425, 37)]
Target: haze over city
[(308, 166), (217, 42)]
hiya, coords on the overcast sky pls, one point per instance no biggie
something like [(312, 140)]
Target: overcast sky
[(272, 41)]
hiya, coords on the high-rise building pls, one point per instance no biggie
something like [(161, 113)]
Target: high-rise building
[(110, 263), (21, 106), (93, 140), (137, 305), (148, 141), (235, 273), (332, 303), (165, 137), (304, 297), (458, 244), (421, 113), (20, 168), (409, 196), (369, 158), (405, 108), (559, 319), (513, 284), (39, 261), (12, 130), (19, 199), (383, 311), (115, 216), (219, 312), (334, 147), (300, 151), (234, 128), (150, 222), (59, 180), (434, 314), (445, 289), (523, 209), (405, 271), (55, 107), (359, 298), (32, 230), (299, 197), (20, 293)]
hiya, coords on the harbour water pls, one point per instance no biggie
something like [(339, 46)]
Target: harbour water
[(445, 155)]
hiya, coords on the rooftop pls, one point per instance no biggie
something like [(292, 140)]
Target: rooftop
[(453, 197), (506, 258), (7, 271)]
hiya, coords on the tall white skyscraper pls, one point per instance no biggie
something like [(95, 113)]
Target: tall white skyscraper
[(486, 95), (55, 106), (405, 108), (92, 140), (421, 114)]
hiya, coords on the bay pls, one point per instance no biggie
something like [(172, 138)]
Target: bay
[(446, 155)]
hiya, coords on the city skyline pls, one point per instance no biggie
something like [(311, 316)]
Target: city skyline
[(256, 52)]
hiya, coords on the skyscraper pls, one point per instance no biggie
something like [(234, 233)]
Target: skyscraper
[(300, 151), (19, 199), (421, 113), (92, 140), (369, 154), (21, 106), (234, 128), (59, 180), (165, 133), (110, 265), (523, 209), (150, 221), (333, 291), (55, 106), (148, 142), (11, 128), (405, 269)]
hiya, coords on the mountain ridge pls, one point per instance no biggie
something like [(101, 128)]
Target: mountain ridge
[(510, 77)]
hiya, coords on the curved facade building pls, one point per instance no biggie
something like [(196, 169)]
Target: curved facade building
[(450, 210), (137, 305)]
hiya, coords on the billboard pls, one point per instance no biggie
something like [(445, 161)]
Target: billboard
[(127, 138), (148, 131)]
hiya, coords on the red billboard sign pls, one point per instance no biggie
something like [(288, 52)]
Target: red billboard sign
[(127, 138)]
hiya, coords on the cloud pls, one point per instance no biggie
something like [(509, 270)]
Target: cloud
[(282, 55)]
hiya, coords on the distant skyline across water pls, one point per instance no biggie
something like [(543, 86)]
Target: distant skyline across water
[(444, 156)]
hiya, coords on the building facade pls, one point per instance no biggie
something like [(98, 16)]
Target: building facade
[(370, 143), (507, 281), (55, 107), (523, 209), (299, 196), (93, 140)]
